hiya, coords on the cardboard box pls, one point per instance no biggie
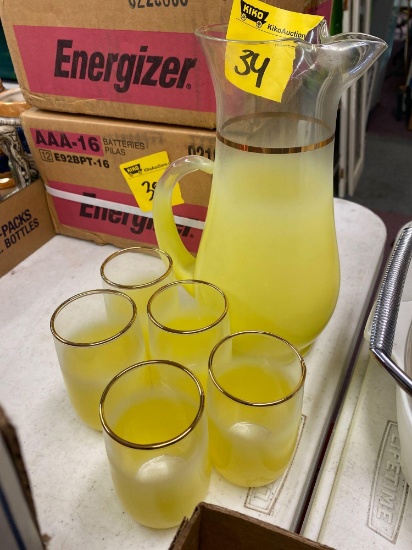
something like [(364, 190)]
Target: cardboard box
[(79, 159), (25, 225), (134, 59), (130, 59), (19, 525), (212, 527)]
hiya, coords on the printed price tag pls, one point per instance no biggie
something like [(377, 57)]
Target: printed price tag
[(142, 175), (264, 69)]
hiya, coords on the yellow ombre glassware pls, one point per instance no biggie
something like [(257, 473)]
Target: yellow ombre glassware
[(186, 319), (96, 335), (137, 271), (155, 433), (255, 394)]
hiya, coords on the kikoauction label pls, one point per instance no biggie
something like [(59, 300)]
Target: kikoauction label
[(146, 68)]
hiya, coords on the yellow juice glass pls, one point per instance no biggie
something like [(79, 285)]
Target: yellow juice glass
[(156, 441), (186, 320), (96, 335), (255, 393), (137, 271)]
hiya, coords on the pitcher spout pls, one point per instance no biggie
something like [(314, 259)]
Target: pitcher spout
[(350, 55)]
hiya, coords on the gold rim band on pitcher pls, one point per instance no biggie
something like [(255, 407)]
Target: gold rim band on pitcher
[(276, 150)]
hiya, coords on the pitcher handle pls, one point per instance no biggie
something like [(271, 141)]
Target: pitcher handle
[(387, 309), (167, 235)]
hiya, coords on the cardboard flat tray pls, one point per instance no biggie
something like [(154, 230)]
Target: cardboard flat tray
[(212, 527)]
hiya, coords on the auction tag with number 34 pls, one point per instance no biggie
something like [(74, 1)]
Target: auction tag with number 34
[(264, 69)]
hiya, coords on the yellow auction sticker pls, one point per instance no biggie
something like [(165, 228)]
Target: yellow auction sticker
[(264, 69), (142, 176)]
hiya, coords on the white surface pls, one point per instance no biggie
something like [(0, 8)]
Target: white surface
[(362, 498), (403, 400), (400, 353), (325, 482), (66, 460)]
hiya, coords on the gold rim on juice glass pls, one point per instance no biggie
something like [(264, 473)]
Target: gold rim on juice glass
[(93, 342), (161, 444), (155, 434), (255, 396), (186, 319), (251, 403), (161, 254), (97, 342), (132, 271), (186, 282)]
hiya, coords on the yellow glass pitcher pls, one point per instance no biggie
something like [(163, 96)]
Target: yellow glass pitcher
[(269, 240)]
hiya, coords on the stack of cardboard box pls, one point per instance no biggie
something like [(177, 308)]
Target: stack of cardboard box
[(113, 82)]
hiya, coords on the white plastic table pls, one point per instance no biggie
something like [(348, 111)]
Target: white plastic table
[(66, 460), (362, 499)]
